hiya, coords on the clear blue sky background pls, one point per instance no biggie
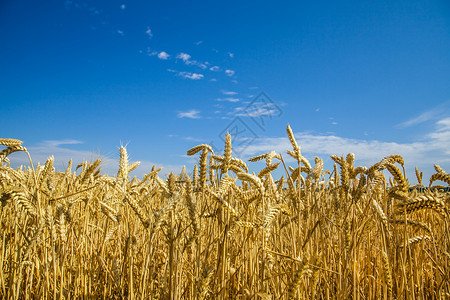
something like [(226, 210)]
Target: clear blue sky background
[(78, 78)]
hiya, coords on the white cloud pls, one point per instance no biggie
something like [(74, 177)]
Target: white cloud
[(231, 54), (163, 55), (189, 75), (191, 114), (148, 32), (214, 68), (257, 109), (120, 32), (199, 42), (184, 56), (432, 149), (229, 72), (442, 133), (228, 99), (192, 139), (151, 52), (419, 119), (225, 92), (258, 113), (57, 143), (122, 7), (434, 113), (213, 80)]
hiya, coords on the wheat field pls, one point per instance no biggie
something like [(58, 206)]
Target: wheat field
[(220, 232)]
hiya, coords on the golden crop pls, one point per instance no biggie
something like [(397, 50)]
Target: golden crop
[(222, 232)]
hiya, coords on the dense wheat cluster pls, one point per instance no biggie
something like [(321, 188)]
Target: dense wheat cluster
[(220, 232)]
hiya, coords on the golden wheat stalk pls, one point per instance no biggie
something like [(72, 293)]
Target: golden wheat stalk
[(423, 202), (413, 223), (295, 283), (23, 202), (380, 212), (416, 239), (122, 174), (267, 170), (398, 176), (199, 148), (203, 285), (138, 210), (442, 176), (391, 159), (9, 150), (253, 179), (10, 142), (316, 172), (387, 274)]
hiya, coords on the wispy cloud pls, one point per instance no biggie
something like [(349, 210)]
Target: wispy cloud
[(199, 43), (437, 112), (186, 58), (225, 92), (229, 72), (149, 33), (433, 148), (151, 52), (163, 55), (122, 7), (191, 114), (82, 6), (57, 143), (428, 115), (257, 109), (254, 112), (231, 54), (193, 139), (228, 99), (214, 68), (189, 75), (120, 32), (442, 134)]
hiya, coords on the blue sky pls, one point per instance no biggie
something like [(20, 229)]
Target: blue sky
[(371, 77)]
